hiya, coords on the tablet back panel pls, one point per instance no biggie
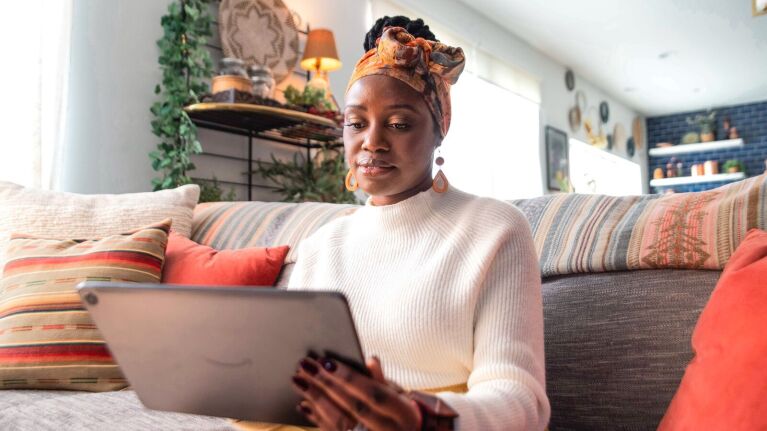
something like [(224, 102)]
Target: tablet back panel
[(227, 352)]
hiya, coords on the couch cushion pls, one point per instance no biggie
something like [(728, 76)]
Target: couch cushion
[(68, 215), (231, 225), (591, 233), (617, 344), (80, 411)]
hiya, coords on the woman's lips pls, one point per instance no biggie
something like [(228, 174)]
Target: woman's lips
[(373, 167), (374, 171)]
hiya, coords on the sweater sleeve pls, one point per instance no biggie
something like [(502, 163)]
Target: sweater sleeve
[(507, 381)]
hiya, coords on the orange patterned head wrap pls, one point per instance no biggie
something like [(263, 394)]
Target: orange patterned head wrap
[(429, 67)]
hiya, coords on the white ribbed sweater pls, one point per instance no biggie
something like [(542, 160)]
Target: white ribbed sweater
[(445, 289)]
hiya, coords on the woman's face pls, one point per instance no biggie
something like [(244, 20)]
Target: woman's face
[(389, 138)]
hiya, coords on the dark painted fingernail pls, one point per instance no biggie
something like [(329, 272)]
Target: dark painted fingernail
[(306, 411), (308, 367), (303, 384), (329, 365)]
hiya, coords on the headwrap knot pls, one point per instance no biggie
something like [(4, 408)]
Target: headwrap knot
[(428, 67)]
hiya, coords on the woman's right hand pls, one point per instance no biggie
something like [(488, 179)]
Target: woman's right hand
[(337, 397)]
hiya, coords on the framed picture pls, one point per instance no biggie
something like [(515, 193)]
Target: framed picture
[(557, 160), (759, 7)]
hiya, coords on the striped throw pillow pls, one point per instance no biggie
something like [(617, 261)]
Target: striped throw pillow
[(47, 339)]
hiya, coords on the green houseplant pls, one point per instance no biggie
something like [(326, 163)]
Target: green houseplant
[(733, 165), (320, 179), (308, 98), (211, 191), (186, 67), (707, 124)]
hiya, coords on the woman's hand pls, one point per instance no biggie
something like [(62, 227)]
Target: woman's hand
[(337, 397)]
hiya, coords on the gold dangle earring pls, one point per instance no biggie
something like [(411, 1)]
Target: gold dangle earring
[(440, 183), (349, 179)]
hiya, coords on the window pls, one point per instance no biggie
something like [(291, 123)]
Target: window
[(34, 38), (492, 147), (594, 171)]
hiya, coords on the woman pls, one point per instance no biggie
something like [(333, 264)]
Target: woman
[(444, 286)]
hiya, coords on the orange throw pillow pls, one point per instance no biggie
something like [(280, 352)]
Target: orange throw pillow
[(725, 385), (187, 262)]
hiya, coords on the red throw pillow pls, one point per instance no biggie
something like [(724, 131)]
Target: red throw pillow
[(187, 262), (725, 385)]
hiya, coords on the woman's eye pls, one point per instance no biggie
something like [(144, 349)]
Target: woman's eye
[(400, 126), (354, 124)]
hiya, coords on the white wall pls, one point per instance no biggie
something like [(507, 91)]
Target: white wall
[(114, 71)]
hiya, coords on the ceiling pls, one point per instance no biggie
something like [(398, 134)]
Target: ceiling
[(657, 56)]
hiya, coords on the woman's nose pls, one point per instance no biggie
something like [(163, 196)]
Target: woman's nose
[(375, 140)]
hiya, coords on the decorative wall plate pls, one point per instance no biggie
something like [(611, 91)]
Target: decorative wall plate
[(604, 111), (260, 32), (581, 101), (574, 117), (619, 138), (637, 131), (569, 80)]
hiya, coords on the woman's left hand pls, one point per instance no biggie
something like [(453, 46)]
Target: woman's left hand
[(337, 397)]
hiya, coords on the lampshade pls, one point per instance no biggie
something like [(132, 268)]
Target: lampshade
[(320, 51)]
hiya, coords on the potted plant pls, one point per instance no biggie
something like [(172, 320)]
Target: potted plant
[(320, 179), (733, 166), (211, 191), (707, 124), (312, 100)]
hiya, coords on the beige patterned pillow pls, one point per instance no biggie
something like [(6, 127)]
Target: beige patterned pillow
[(47, 338), (68, 215)]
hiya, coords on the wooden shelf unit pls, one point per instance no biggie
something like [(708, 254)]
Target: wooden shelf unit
[(285, 126)]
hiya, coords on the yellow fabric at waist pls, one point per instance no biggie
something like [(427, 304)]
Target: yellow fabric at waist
[(262, 426), (459, 389)]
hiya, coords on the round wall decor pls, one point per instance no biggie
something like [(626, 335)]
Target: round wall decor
[(570, 80), (261, 32)]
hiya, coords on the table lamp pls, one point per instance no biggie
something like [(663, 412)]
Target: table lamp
[(320, 55)]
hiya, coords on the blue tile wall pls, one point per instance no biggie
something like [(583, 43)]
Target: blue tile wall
[(749, 119)]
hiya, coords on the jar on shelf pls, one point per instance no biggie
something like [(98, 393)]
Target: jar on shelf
[(694, 170), (231, 75), (232, 66), (710, 167), (670, 172), (262, 79)]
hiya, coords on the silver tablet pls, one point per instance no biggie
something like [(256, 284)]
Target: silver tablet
[(227, 352)]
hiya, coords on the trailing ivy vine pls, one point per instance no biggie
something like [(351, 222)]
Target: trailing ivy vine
[(186, 67)]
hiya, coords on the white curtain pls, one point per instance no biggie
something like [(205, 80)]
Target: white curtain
[(34, 42)]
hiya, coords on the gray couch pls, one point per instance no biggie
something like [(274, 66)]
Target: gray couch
[(617, 344)]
